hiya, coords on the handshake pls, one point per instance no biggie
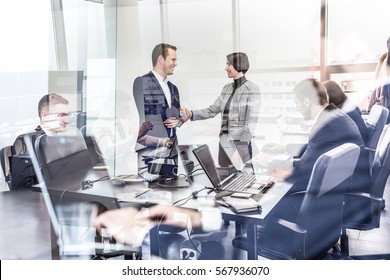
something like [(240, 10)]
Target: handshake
[(185, 114)]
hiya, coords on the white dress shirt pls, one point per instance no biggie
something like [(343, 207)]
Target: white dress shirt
[(164, 85)]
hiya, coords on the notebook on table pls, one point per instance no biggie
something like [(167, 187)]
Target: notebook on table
[(242, 205), (238, 181)]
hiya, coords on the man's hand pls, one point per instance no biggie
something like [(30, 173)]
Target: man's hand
[(262, 159), (185, 114), (126, 225), (145, 127), (129, 226), (273, 148), (281, 174), (168, 143), (175, 216), (172, 122)]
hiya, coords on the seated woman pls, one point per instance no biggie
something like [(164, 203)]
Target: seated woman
[(340, 99)]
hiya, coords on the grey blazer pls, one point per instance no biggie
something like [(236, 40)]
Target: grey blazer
[(243, 113)]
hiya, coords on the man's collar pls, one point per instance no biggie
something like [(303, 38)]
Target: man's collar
[(319, 113), (159, 77), (47, 131)]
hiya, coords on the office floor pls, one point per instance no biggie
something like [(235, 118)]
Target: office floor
[(361, 242)]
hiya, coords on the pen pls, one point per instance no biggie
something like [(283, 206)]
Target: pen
[(138, 195)]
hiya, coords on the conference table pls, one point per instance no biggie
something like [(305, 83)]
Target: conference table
[(24, 226), (101, 191)]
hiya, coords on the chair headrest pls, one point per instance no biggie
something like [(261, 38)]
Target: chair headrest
[(378, 115), (57, 147), (333, 168)]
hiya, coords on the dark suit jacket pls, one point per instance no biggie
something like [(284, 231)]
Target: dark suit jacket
[(150, 99), (332, 129), (356, 115)]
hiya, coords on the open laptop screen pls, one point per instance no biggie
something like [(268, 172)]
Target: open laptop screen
[(244, 150), (203, 155)]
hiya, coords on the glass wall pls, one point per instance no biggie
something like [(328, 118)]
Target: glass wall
[(67, 47), (26, 55), (357, 31)]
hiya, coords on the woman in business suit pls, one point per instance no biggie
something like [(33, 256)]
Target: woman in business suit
[(239, 105)]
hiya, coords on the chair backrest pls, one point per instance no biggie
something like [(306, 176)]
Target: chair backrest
[(61, 155), (375, 123), (380, 168), (363, 210), (322, 207)]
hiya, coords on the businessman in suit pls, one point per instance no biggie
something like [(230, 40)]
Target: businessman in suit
[(331, 128), (154, 94)]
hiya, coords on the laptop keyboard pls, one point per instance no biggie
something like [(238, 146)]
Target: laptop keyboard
[(240, 182)]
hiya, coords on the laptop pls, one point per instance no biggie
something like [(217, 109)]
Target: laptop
[(289, 129), (236, 182)]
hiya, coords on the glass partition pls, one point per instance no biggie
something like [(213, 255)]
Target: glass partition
[(26, 54)]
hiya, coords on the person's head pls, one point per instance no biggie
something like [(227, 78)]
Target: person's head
[(335, 93), (164, 59), (310, 97), (237, 64), (53, 112)]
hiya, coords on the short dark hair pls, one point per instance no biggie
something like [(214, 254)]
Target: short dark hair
[(50, 99), (239, 60), (313, 90), (161, 49), (335, 93)]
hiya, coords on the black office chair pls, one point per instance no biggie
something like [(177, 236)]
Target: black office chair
[(375, 123), (61, 155), (380, 171), (318, 224), (58, 157)]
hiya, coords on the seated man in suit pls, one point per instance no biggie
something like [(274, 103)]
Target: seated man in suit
[(53, 111), (331, 128)]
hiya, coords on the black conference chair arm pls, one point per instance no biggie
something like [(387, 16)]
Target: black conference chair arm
[(375, 202), (209, 236), (302, 193), (288, 225), (364, 195), (370, 149)]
